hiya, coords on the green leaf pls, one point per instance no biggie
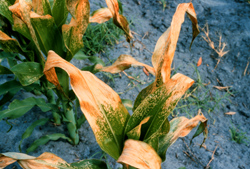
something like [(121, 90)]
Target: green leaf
[(120, 7), (4, 10), (142, 95), (73, 32), (91, 69), (47, 33), (28, 72), (43, 140), (18, 108), (6, 97), (153, 107), (5, 70), (59, 12), (202, 128), (80, 121), (31, 128), (9, 44), (80, 55), (90, 164), (10, 86)]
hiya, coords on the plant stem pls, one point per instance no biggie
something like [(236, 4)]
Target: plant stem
[(68, 111)]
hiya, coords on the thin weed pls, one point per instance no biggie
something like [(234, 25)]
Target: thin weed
[(164, 4), (200, 97), (238, 135)]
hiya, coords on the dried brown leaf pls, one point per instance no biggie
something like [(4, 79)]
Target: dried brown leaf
[(145, 71), (165, 48), (222, 87), (44, 161), (124, 62), (118, 19), (5, 161), (140, 155), (199, 62), (101, 15), (245, 69), (230, 113)]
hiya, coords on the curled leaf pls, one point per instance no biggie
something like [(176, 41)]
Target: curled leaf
[(100, 104), (124, 62), (44, 161), (101, 15), (179, 127), (47, 161), (139, 155), (165, 47), (73, 32), (199, 62), (104, 14)]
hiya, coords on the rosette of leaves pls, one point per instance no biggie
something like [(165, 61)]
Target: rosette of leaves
[(31, 28), (140, 140)]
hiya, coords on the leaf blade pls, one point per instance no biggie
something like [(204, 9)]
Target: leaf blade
[(28, 72), (105, 113), (140, 155)]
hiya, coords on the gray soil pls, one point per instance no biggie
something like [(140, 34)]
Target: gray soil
[(229, 18)]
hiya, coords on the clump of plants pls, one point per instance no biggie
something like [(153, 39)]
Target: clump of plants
[(29, 30), (238, 136), (139, 140), (99, 36)]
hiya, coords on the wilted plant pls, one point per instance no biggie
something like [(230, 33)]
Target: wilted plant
[(137, 141), (34, 28), (221, 46)]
